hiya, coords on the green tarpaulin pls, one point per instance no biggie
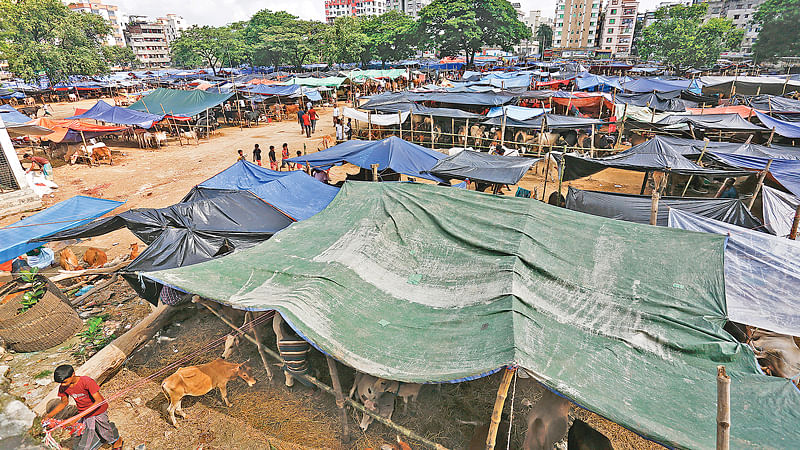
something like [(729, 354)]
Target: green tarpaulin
[(391, 74), (318, 82), (179, 103), (422, 283)]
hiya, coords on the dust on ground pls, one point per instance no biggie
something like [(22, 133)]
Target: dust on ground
[(267, 415)]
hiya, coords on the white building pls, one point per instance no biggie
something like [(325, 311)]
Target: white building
[(577, 24), (356, 8), (175, 24), (741, 13), (410, 7), (533, 20), (148, 40), (107, 12), (619, 24)]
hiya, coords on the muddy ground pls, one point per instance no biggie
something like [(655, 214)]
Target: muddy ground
[(265, 415)]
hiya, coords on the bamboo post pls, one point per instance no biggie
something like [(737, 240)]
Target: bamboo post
[(369, 126), (723, 409), (621, 127), (654, 196), (337, 389), (411, 115), (374, 172), (453, 130), (431, 116), (208, 126), (546, 173), (400, 123), (499, 403), (541, 137), (771, 135), (591, 146), (260, 348), (760, 183), (466, 133), (795, 223), (703, 152), (86, 148), (503, 129), (177, 131)]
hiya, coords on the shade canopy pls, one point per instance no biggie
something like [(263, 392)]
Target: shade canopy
[(11, 116), (449, 284), (456, 98), (784, 171), (483, 167), (177, 102), (114, 114), (784, 128), (725, 122)]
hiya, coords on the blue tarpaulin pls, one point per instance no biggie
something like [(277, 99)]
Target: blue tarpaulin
[(784, 171), (11, 115), (390, 153), (755, 262), (517, 112), (782, 127), (75, 211), (296, 194), (123, 116), (655, 85), (456, 98), (272, 89)]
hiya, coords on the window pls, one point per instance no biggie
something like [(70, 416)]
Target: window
[(746, 16), (610, 31), (594, 14), (735, 16), (611, 21), (591, 24), (560, 16), (613, 11), (558, 33), (608, 40)]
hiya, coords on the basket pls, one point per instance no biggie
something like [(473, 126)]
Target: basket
[(48, 323)]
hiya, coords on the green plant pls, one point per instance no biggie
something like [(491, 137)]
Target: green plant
[(43, 374), (35, 293), (92, 337)]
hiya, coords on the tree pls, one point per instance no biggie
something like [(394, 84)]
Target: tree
[(780, 29), (681, 38), (345, 41), (44, 36), (209, 46), (544, 34), (116, 56), (293, 41), (392, 36), (256, 34), (455, 26)]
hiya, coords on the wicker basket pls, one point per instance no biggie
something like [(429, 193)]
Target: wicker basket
[(48, 323)]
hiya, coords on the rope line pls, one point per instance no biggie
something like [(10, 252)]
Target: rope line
[(511, 414)]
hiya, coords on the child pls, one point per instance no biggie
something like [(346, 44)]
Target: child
[(86, 394), (273, 161), (257, 154), (241, 156), (298, 166), (285, 156)]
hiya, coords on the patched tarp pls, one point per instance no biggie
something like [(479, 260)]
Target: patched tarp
[(295, 193), (391, 153), (782, 127), (732, 122), (179, 103), (784, 171), (422, 283), (61, 216), (762, 273), (778, 210), (123, 116), (636, 208), (483, 167)]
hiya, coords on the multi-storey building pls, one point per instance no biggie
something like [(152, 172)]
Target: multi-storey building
[(107, 12), (148, 40), (175, 24), (532, 46), (619, 23), (356, 8), (577, 23), (410, 7), (741, 13)]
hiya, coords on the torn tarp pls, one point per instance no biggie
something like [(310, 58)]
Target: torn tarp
[(483, 167), (778, 209), (762, 273), (636, 208)]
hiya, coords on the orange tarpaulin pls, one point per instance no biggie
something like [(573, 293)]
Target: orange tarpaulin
[(584, 102), (61, 129), (744, 111), (262, 81)]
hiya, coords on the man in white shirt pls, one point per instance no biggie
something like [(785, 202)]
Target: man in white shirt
[(339, 129), (335, 113)]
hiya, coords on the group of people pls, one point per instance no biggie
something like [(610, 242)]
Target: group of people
[(273, 160), (307, 118)]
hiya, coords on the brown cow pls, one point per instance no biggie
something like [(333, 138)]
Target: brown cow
[(101, 154), (95, 257), (547, 422), (200, 380), (581, 436), (68, 260)]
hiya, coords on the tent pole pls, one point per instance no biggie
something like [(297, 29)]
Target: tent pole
[(795, 223), (546, 172), (705, 146), (369, 126), (503, 129), (499, 403), (374, 172), (260, 347), (723, 409), (644, 181), (622, 125), (760, 183), (337, 389), (85, 148), (654, 196), (591, 146), (411, 124), (400, 123), (177, 131), (432, 123), (771, 135)]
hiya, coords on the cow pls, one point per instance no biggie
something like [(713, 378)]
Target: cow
[(548, 166), (200, 380), (409, 393), (581, 436), (101, 153), (145, 139), (777, 353), (328, 141), (547, 139), (159, 139), (134, 251), (461, 137), (522, 139), (374, 393), (481, 433), (291, 110), (189, 135), (476, 134), (95, 257), (68, 260), (547, 422)]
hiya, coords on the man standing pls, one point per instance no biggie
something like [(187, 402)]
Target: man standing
[(88, 399), (307, 124), (339, 130), (335, 113), (273, 161), (285, 156), (257, 155), (300, 114), (348, 129), (312, 114), (42, 163)]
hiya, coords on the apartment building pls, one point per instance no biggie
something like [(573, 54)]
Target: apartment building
[(356, 8), (409, 7), (577, 24), (149, 41), (107, 12), (619, 23), (174, 25), (741, 13)]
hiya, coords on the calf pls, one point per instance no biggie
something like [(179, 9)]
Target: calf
[(375, 394), (160, 138), (583, 437), (100, 154), (199, 380), (547, 422), (95, 258), (68, 260), (134, 251), (777, 353), (189, 135)]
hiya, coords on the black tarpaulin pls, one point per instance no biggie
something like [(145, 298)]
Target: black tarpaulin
[(636, 208), (729, 122), (552, 122), (483, 167), (660, 101), (691, 148), (775, 104)]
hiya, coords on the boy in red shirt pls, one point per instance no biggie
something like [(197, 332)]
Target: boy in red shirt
[(307, 124), (86, 394)]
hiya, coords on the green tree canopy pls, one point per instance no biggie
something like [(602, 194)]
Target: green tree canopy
[(44, 36), (345, 41), (256, 36), (116, 56), (544, 34), (208, 46), (680, 37), (455, 26), (780, 29), (392, 36)]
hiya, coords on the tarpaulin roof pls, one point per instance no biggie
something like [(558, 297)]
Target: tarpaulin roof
[(778, 209), (583, 102), (655, 154), (745, 111), (456, 98), (294, 192), (66, 214), (747, 85), (70, 130), (552, 122), (272, 89), (483, 167), (694, 147), (446, 284), (754, 263), (318, 82), (636, 208), (516, 112), (376, 119), (390, 153), (114, 114), (591, 81), (782, 127), (667, 101), (774, 104), (712, 121), (424, 110), (784, 171), (654, 84), (179, 103), (12, 116)]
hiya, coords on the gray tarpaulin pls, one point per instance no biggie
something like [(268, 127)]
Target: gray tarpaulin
[(483, 167), (762, 273), (729, 122), (778, 209)]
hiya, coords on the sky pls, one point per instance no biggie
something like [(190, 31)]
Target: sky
[(221, 12)]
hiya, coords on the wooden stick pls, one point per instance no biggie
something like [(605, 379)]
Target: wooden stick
[(180, 140), (432, 124), (374, 171), (703, 152), (337, 389), (546, 173), (82, 299), (795, 223), (760, 183), (260, 347), (723, 409), (499, 403)]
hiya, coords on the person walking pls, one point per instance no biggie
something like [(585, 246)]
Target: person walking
[(339, 130), (273, 160), (307, 124), (348, 129), (300, 114), (312, 114), (257, 155), (336, 113), (285, 156)]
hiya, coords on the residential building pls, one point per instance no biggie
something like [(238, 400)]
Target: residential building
[(532, 46), (175, 24), (107, 12), (148, 40), (619, 23), (577, 24), (356, 8), (741, 13), (410, 7)]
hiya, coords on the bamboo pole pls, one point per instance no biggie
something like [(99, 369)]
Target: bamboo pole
[(260, 347), (795, 223), (411, 115), (703, 152), (369, 126), (432, 123), (503, 129), (771, 136), (177, 131), (499, 403), (86, 148), (400, 123), (546, 172), (654, 196), (591, 146), (723, 409), (374, 172), (760, 183), (337, 389)]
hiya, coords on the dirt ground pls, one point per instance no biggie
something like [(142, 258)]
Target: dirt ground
[(266, 416)]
